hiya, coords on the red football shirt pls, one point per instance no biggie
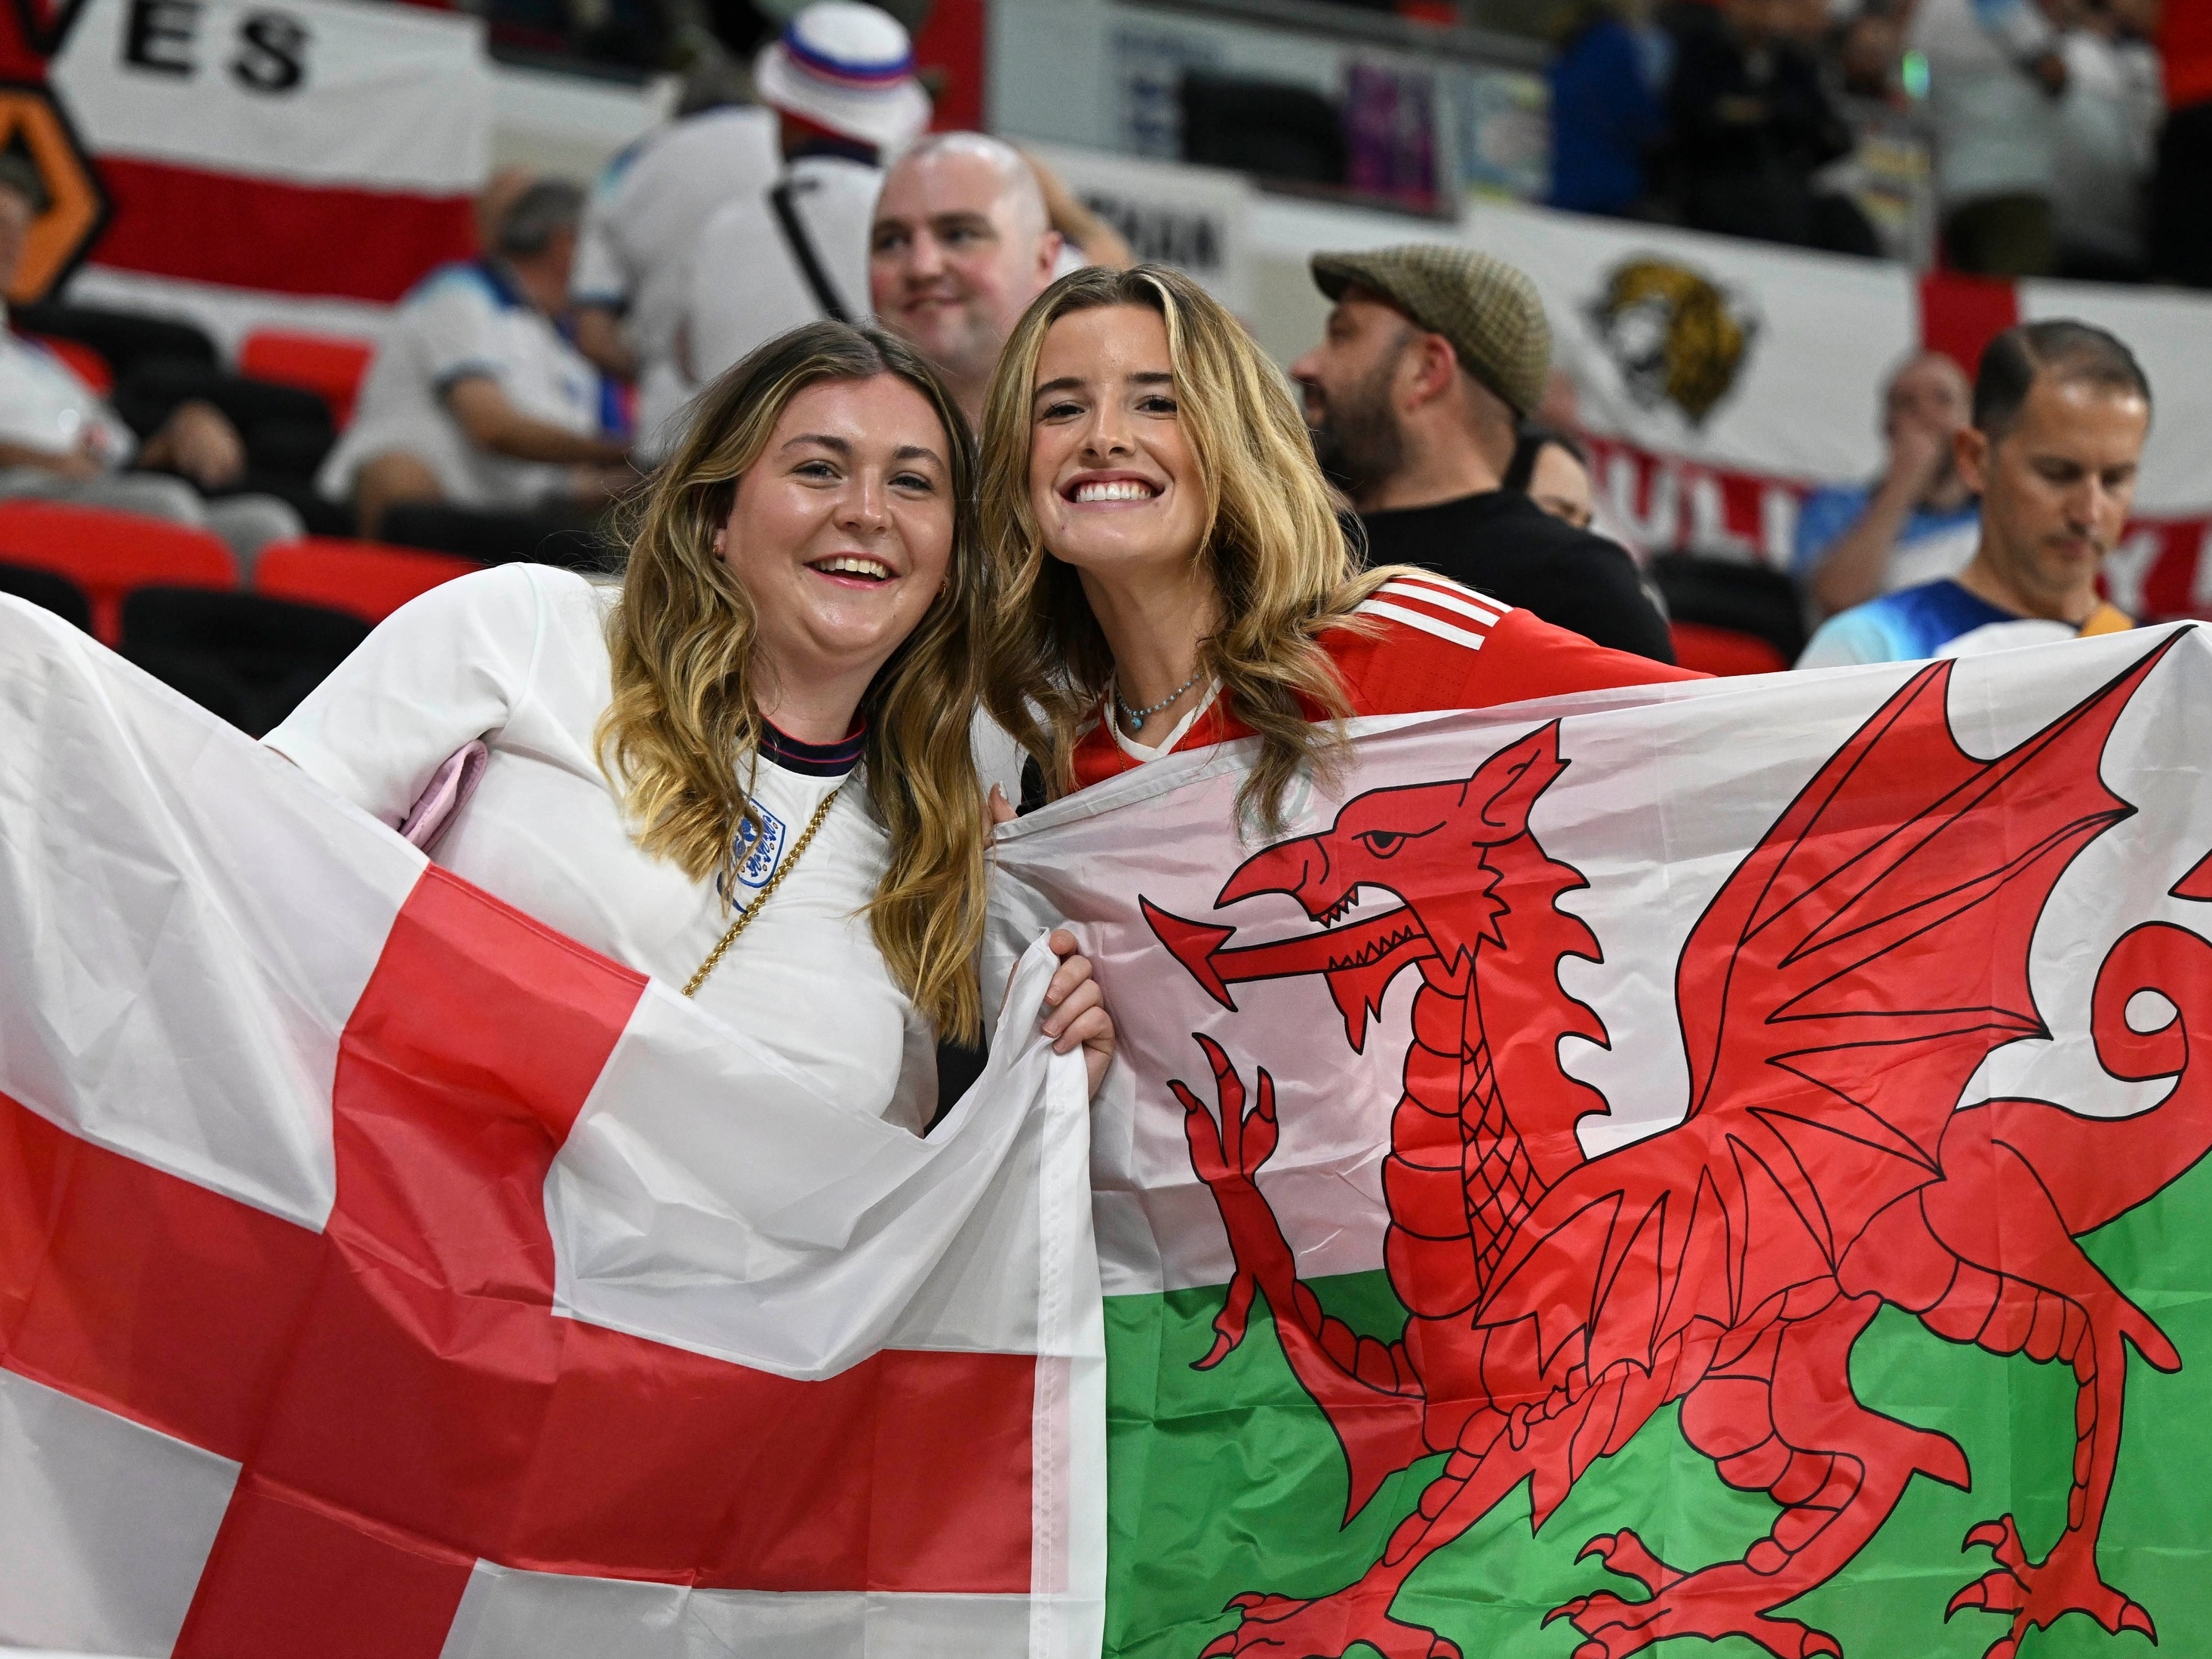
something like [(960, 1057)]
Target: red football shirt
[(1434, 645)]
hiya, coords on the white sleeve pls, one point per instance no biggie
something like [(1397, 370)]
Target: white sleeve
[(454, 323), (442, 670)]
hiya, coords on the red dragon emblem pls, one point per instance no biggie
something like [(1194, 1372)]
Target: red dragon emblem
[(1835, 998)]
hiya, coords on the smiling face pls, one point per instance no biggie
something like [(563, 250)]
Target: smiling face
[(842, 533), (1113, 482), (959, 248)]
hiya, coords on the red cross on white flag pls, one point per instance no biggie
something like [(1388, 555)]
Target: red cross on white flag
[(384, 1275)]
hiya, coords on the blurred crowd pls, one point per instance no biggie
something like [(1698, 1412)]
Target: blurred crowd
[(2065, 137), (1431, 394), (2068, 137), (518, 398)]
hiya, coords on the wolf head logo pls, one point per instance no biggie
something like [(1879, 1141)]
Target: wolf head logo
[(1677, 337)]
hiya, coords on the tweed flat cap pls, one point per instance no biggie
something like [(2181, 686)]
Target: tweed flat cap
[(1487, 309)]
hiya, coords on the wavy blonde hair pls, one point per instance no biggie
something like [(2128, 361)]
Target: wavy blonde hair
[(1272, 546), (680, 738)]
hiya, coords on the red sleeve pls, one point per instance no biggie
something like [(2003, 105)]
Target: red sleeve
[(1403, 669), (1526, 657)]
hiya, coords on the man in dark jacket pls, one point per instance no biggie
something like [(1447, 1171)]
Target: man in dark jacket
[(1432, 356), (1752, 124)]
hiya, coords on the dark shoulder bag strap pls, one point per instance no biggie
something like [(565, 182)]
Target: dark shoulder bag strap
[(802, 249)]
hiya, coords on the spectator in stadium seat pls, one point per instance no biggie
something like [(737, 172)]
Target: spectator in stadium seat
[(632, 278), (1995, 76), (1752, 124), (2061, 411), (59, 440), (1553, 470), (1432, 355), (961, 244), (474, 399), (841, 82), (499, 193), (1914, 524)]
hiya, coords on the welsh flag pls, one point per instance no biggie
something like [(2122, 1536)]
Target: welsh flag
[(1718, 1162), (382, 1275), (1709, 1161)]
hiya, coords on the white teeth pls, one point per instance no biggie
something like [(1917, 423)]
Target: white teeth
[(1116, 489), (848, 566)]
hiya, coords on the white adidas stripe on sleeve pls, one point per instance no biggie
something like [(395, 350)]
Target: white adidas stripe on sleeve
[(1451, 598), (1425, 622)]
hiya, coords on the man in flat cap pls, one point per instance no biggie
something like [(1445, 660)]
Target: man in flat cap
[(1433, 356)]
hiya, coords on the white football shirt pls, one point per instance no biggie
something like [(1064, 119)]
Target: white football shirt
[(745, 286), (460, 321), (517, 656), (634, 253)]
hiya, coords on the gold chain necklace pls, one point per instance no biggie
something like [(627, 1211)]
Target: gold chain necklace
[(790, 863)]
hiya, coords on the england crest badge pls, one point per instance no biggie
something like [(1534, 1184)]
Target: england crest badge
[(763, 849)]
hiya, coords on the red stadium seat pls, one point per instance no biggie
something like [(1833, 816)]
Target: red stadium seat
[(320, 364), (1723, 650), (368, 579), (108, 554), (87, 364)]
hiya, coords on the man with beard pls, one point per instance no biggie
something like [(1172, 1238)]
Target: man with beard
[(1432, 357), (1919, 520), (2061, 411)]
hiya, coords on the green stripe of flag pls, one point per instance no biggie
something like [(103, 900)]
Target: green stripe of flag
[(1229, 1480)]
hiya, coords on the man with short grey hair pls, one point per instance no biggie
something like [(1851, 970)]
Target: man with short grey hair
[(474, 399), (1433, 356), (961, 244)]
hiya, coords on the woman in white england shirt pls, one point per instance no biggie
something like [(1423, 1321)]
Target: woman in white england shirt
[(792, 645)]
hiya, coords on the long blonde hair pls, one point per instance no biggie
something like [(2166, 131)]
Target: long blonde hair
[(680, 738), (1272, 546)]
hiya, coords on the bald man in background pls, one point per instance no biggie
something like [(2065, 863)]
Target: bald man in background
[(1919, 521), (964, 237)]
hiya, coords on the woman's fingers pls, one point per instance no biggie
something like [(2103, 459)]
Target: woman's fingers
[(1001, 809), (1094, 1025), (1078, 1001), (1075, 971), (1075, 1010)]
